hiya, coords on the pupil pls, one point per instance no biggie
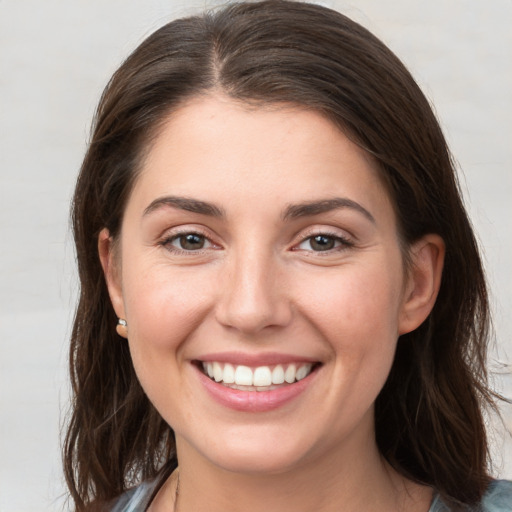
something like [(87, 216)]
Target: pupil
[(322, 243), (191, 242)]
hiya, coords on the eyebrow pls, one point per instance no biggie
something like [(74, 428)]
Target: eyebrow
[(312, 208), (294, 211), (187, 204)]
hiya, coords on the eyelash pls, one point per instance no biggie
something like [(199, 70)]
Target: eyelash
[(344, 243), (167, 242)]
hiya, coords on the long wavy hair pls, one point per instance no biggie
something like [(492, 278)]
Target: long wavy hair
[(428, 420)]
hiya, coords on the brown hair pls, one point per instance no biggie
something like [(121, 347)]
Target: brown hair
[(429, 422)]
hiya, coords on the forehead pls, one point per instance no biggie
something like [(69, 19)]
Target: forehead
[(221, 149)]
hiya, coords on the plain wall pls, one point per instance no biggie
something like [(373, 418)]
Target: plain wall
[(55, 58)]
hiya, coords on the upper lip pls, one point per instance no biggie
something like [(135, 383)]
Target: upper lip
[(255, 360)]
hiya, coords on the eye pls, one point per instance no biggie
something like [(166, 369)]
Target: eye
[(323, 242), (188, 242)]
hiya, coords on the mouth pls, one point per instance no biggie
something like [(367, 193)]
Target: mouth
[(260, 378)]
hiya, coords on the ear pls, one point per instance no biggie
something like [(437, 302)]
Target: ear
[(423, 281), (111, 270)]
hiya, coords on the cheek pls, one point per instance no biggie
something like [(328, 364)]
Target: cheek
[(355, 310), (358, 317), (163, 307), (362, 300)]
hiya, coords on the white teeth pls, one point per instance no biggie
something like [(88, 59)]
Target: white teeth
[(217, 372), (289, 374), (243, 376), (303, 371), (229, 374), (261, 378), (278, 375)]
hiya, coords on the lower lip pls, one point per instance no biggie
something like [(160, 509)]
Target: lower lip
[(254, 401)]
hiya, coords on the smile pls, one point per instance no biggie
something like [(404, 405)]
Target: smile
[(261, 378), (255, 387)]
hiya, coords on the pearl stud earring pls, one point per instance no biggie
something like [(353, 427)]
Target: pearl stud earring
[(122, 328)]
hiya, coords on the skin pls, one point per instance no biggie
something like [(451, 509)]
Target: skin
[(260, 285)]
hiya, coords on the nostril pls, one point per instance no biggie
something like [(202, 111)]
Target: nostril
[(253, 295), (252, 317)]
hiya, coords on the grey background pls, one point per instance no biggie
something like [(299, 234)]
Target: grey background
[(55, 58)]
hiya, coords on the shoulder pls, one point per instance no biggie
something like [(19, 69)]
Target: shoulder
[(136, 499), (498, 497), (139, 498)]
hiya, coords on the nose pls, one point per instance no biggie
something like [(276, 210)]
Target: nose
[(253, 294)]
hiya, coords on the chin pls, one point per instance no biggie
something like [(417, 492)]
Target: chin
[(261, 453), (256, 462)]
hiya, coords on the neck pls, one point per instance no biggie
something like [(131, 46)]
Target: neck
[(346, 482)]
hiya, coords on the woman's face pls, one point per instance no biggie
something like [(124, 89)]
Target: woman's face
[(260, 245)]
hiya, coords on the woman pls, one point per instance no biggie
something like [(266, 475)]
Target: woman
[(282, 302)]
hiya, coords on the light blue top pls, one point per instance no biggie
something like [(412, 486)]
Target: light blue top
[(136, 499), (498, 498)]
